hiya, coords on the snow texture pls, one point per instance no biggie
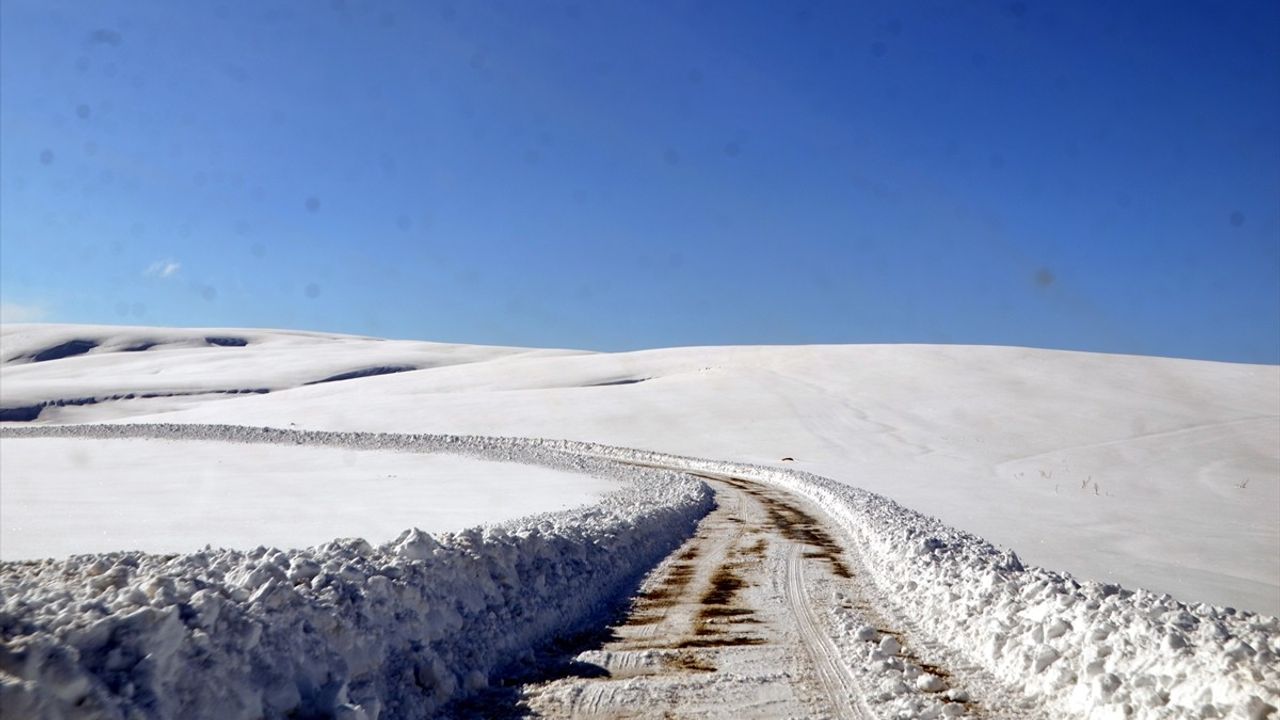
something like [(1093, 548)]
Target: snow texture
[(350, 630), (344, 629), (1140, 471), (1092, 649)]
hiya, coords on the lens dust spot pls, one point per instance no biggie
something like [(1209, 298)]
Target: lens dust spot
[(1237, 219), (312, 290), (46, 157), (313, 204), (105, 36), (1044, 278)]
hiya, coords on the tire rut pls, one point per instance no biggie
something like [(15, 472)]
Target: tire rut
[(721, 629), (842, 688)]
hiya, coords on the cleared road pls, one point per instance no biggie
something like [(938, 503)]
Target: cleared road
[(727, 627)]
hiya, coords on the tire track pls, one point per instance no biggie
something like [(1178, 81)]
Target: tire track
[(842, 689), (721, 629)]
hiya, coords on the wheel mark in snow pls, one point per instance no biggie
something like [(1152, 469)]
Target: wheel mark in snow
[(841, 688), (699, 609), (713, 626), (652, 606), (809, 541), (797, 525), (812, 541)]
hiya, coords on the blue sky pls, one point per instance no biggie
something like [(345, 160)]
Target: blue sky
[(614, 175)]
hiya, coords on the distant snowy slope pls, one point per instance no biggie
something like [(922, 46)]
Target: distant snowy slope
[(1150, 472), (47, 371)]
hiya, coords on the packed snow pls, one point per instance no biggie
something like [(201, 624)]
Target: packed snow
[(64, 497), (1146, 472)]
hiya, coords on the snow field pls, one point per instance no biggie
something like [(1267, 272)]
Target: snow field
[(70, 496), (1139, 471), (345, 629)]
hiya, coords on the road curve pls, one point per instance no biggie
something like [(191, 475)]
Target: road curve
[(768, 611)]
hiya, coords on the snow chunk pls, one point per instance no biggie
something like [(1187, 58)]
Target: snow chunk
[(929, 683), (415, 545), (890, 646)]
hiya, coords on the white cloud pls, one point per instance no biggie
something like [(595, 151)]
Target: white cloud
[(11, 312), (163, 268)]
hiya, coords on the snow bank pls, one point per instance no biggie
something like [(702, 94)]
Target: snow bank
[(344, 629), (1086, 647), (350, 629)]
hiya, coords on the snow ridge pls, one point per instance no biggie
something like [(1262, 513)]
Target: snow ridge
[(341, 630)]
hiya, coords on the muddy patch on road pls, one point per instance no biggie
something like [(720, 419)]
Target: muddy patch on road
[(796, 525)]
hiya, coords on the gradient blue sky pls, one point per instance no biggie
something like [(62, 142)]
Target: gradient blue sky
[(611, 175)]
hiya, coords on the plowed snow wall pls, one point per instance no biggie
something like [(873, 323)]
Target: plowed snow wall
[(340, 630)]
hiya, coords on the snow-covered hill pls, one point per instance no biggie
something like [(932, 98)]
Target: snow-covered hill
[(832, 600), (1149, 472)]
